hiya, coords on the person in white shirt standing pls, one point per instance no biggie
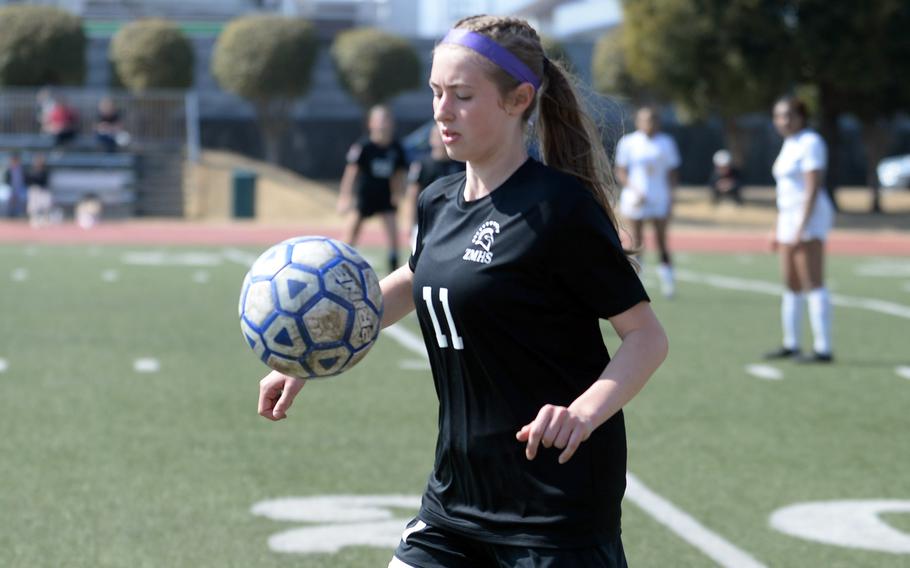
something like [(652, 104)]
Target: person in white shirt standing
[(647, 163), (805, 215)]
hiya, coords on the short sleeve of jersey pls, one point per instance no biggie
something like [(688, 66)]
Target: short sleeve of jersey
[(418, 241), (673, 159), (622, 152), (353, 155), (815, 155), (414, 172), (591, 264)]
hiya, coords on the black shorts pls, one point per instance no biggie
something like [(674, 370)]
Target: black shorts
[(369, 204), (423, 546)]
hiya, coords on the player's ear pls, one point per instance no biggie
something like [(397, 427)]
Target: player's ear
[(519, 99)]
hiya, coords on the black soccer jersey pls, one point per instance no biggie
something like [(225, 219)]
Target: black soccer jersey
[(509, 289), (376, 166)]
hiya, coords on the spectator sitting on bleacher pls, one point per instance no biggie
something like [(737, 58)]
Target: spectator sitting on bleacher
[(17, 180), (109, 130), (60, 121), (724, 181), (40, 200)]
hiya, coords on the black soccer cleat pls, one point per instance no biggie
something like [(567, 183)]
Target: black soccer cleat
[(783, 353), (816, 357)]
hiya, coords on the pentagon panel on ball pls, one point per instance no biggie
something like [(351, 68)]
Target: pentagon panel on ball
[(310, 307)]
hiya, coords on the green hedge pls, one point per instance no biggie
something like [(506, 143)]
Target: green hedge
[(374, 66), (40, 45), (152, 54), (265, 57)]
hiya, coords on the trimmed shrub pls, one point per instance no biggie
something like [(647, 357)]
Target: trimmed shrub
[(374, 66), (262, 58), (152, 53), (40, 45)]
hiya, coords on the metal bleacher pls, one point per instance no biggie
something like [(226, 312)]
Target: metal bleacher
[(143, 178)]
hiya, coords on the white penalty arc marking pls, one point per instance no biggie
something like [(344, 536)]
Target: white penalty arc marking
[(764, 287), (146, 365), (851, 524), (711, 544), (765, 372), (686, 527), (903, 371)]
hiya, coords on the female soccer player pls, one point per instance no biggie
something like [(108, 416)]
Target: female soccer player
[(375, 176), (516, 261), (646, 166), (805, 215)]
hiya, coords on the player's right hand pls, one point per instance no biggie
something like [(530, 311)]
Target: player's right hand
[(276, 395)]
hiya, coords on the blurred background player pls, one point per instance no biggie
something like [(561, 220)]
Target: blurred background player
[(724, 181), (516, 263), (425, 171), (374, 179), (647, 163), (805, 215)]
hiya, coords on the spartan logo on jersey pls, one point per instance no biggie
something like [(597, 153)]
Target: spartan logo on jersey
[(483, 237)]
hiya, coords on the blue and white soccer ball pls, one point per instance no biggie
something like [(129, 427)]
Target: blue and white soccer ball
[(310, 307)]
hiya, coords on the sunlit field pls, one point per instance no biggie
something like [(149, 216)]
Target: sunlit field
[(129, 434)]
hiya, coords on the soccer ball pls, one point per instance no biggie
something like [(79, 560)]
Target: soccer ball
[(310, 307)]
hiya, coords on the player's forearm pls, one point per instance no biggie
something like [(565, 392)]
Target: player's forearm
[(622, 176), (640, 354), (813, 186), (397, 295), (347, 182)]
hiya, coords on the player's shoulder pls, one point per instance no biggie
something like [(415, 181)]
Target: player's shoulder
[(809, 137), (442, 189), (555, 188)]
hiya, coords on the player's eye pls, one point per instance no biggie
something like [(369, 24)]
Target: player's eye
[(462, 97)]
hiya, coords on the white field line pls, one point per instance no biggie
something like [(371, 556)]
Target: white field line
[(3, 365), (686, 527), (712, 545), (146, 365), (771, 288), (903, 371), (240, 257), (110, 275), (19, 274), (766, 372)]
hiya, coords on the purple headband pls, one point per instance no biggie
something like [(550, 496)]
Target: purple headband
[(495, 53)]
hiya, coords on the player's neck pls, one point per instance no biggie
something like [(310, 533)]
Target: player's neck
[(483, 177)]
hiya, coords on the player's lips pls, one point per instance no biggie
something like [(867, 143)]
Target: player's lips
[(449, 136)]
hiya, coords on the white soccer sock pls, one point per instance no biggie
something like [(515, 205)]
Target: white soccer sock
[(820, 318), (791, 316), (667, 285)]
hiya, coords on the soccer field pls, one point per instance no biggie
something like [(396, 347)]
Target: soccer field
[(129, 434)]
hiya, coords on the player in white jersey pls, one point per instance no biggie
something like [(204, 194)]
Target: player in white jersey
[(647, 162), (805, 215)]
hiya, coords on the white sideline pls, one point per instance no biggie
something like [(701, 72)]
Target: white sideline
[(764, 287), (765, 372), (711, 544), (666, 513)]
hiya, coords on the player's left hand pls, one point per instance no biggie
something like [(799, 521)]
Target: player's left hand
[(555, 426)]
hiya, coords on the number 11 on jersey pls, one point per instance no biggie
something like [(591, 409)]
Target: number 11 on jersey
[(441, 338)]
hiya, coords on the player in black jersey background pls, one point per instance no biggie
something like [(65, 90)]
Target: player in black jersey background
[(373, 181), (516, 262), (425, 171)]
